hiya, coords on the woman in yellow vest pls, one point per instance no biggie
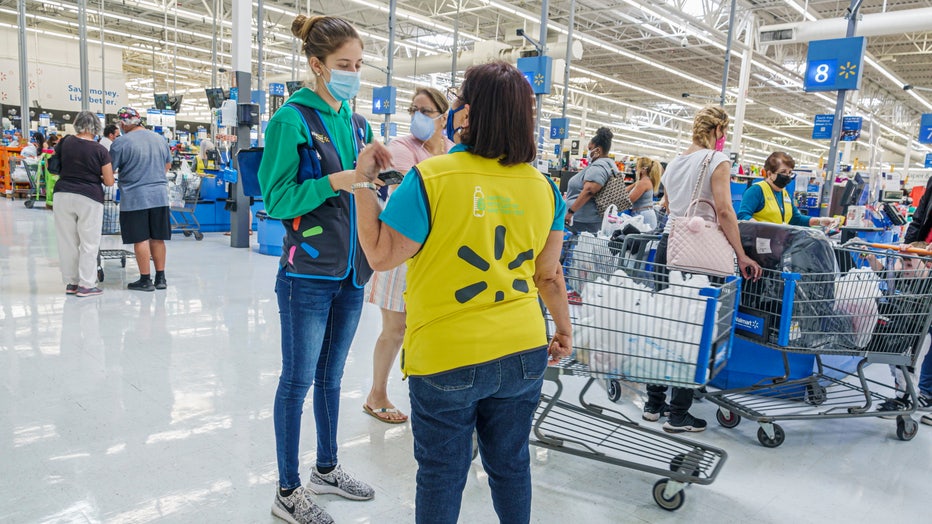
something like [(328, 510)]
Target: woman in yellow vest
[(483, 230), (766, 201)]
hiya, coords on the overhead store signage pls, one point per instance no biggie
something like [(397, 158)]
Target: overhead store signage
[(258, 97), (929, 160), (154, 117), (234, 93), (851, 128), (277, 89), (559, 128), (925, 130), (383, 100), (835, 65), (392, 127), (574, 147), (537, 71), (822, 128)]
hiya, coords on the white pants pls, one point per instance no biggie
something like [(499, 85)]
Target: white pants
[(78, 222)]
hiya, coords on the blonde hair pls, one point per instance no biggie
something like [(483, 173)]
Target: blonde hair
[(434, 95), (323, 35), (707, 120), (655, 170)]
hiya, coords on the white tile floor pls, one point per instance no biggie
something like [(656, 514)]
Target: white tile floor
[(140, 407)]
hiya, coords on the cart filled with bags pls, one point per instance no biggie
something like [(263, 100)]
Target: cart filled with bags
[(111, 228), (184, 190), (630, 327), (826, 301)]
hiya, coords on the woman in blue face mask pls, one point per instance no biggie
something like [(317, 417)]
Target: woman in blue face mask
[(313, 144), (428, 117)]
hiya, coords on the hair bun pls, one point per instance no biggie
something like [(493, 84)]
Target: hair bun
[(604, 132), (301, 26)]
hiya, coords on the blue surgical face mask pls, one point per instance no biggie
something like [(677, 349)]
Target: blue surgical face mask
[(343, 85), (422, 126), (450, 130)]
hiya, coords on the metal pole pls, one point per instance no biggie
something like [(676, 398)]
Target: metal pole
[(82, 44), (242, 66), (391, 63), (731, 35), (103, 64), (831, 164), (744, 83), (544, 11), (23, 74), (213, 50), (456, 43), (566, 68)]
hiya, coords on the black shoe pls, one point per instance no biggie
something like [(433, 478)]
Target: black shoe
[(653, 413), (141, 285), (160, 283), (894, 404), (683, 424)]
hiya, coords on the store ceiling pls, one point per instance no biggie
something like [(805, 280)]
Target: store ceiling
[(639, 58)]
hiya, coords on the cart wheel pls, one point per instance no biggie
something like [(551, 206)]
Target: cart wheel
[(186, 233), (122, 260), (727, 421), (198, 235), (677, 462), (767, 442), (100, 274), (29, 204), (816, 394), (906, 427), (613, 388), (670, 504)]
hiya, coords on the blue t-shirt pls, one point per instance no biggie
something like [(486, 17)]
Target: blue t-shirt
[(139, 159), (406, 212)]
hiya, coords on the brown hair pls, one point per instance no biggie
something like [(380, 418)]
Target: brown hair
[(434, 95), (323, 35), (776, 159), (655, 170), (707, 120), (501, 113)]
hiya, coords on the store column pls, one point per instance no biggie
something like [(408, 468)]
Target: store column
[(242, 67), (744, 83)]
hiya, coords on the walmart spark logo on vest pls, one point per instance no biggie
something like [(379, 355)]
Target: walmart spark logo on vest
[(496, 205)]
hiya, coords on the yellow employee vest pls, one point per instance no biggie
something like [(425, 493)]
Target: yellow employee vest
[(771, 211), (470, 294)]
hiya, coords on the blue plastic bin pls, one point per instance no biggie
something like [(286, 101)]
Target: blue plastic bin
[(271, 234), (751, 363)]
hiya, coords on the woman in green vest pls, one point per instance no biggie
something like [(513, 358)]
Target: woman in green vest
[(767, 200), (481, 230)]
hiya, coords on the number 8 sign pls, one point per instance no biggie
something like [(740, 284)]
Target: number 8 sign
[(834, 65)]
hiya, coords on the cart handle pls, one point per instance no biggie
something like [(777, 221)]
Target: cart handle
[(895, 247)]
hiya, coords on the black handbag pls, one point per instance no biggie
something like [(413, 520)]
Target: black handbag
[(54, 162)]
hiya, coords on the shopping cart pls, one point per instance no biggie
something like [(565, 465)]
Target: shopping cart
[(23, 178), (184, 190), (876, 318), (629, 329), (111, 227), (36, 183)]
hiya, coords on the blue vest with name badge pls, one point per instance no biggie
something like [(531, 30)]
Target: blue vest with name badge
[(323, 244)]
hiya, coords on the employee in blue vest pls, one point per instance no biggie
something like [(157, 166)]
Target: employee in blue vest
[(766, 201)]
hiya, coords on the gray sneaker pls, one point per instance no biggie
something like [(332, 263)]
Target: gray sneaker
[(339, 482), (298, 508)]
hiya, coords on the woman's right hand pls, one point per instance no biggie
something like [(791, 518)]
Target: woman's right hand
[(749, 268), (561, 345), (371, 160)]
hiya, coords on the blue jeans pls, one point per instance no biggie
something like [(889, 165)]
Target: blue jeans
[(925, 374), (318, 320), (498, 400)]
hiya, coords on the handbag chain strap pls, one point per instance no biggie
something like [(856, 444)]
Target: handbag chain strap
[(702, 172)]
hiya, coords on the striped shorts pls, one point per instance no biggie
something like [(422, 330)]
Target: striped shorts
[(386, 289)]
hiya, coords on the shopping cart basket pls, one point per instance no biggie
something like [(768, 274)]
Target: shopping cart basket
[(111, 227), (184, 190), (877, 318), (629, 329)]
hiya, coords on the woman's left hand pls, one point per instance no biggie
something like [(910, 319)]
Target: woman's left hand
[(373, 159)]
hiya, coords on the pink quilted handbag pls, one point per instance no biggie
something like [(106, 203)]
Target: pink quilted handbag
[(697, 245)]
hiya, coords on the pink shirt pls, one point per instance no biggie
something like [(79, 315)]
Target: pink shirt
[(408, 151)]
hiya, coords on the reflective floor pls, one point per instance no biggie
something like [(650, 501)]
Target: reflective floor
[(141, 407)]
